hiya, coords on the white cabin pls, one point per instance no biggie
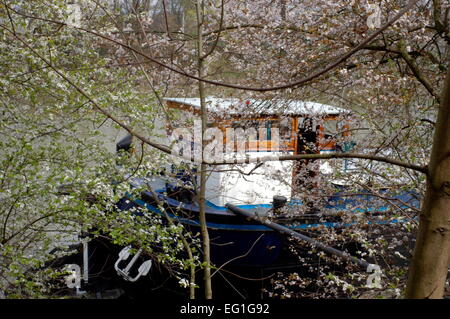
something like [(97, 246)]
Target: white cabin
[(230, 183)]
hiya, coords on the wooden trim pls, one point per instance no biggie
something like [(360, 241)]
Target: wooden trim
[(290, 145), (183, 107)]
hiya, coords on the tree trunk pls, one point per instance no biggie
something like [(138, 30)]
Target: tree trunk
[(429, 265), (201, 90)]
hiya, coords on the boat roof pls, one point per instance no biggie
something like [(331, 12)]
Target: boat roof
[(261, 107)]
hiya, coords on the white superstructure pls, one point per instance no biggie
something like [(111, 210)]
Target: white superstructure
[(252, 183)]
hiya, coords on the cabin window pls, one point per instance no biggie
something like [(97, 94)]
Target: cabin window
[(285, 127), (268, 128), (330, 128), (247, 125), (261, 132), (335, 128)]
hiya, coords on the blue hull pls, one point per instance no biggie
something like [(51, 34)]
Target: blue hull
[(238, 242), (248, 245)]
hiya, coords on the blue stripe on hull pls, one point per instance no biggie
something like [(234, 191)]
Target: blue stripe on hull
[(250, 245)]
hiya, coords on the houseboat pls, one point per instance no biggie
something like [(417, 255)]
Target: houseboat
[(261, 129), (245, 202)]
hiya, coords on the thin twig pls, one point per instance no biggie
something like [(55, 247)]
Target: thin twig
[(297, 83)]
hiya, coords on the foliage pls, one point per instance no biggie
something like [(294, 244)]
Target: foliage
[(51, 130), (58, 175)]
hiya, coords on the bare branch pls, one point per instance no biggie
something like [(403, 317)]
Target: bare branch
[(415, 69), (297, 83), (218, 33), (162, 148), (167, 149), (237, 257), (165, 19)]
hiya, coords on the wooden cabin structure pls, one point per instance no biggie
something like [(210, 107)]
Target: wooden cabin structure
[(330, 124)]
